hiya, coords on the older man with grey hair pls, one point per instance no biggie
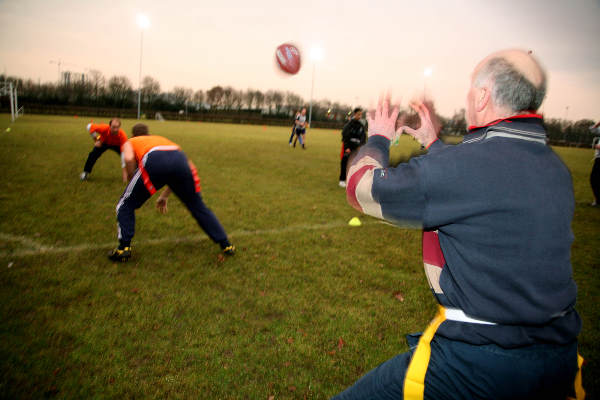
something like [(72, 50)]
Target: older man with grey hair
[(496, 215)]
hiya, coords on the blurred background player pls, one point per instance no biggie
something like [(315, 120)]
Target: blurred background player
[(294, 127), (152, 162), (353, 136), (595, 175), (300, 128), (105, 136)]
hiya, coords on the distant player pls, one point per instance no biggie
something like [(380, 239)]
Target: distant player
[(353, 136), (300, 126), (152, 162), (105, 136), (294, 128)]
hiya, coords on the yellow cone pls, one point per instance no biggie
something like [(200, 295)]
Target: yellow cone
[(354, 222)]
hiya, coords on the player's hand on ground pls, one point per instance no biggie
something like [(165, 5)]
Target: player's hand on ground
[(427, 132), (161, 205), (381, 121)]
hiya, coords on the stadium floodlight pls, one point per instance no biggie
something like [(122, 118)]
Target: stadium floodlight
[(316, 54), (144, 23)]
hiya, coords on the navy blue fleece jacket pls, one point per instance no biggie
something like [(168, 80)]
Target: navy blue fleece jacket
[(501, 205)]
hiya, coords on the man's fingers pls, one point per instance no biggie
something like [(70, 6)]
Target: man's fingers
[(426, 111), (394, 115), (409, 130)]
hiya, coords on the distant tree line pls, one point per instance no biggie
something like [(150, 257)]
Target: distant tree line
[(117, 92)]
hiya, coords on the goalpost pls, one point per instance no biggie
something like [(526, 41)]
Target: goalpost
[(7, 88)]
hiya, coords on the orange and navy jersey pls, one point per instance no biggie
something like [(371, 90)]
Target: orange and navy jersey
[(106, 136), (142, 145)]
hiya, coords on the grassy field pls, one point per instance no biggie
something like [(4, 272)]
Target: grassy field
[(307, 306)]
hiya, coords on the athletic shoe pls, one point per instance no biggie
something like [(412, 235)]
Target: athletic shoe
[(120, 254), (343, 184), (84, 176), (229, 250)]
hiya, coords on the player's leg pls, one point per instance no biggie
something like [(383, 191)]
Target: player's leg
[(91, 160), (302, 140), (595, 181), (116, 149), (292, 135), (343, 168), (182, 183), (133, 197)]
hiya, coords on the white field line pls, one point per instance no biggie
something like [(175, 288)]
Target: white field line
[(38, 249)]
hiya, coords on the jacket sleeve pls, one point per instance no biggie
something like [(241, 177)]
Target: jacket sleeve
[(394, 194), (100, 129)]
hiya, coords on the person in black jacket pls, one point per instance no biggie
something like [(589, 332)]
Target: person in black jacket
[(353, 136)]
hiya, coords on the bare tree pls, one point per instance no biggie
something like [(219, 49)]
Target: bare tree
[(120, 91), (269, 99), (181, 96), (259, 99), (98, 84), (278, 100), (293, 101), (214, 96), (198, 98), (150, 90), (228, 97), (249, 98), (237, 97)]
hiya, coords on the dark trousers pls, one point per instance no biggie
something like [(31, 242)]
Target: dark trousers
[(96, 153), (344, 166), (595, 179), (166, 168), (459, 370)]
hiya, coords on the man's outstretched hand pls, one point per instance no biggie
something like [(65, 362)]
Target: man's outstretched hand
[(381, 121), (427, 133)]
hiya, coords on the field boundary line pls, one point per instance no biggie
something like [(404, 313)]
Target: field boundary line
[(39, 249)]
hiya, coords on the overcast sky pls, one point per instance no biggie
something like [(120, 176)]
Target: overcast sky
[(368, 46)]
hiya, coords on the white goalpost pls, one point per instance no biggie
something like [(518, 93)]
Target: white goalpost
[(8, 88)]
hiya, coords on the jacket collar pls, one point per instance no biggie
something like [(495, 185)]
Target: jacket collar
[(534, 116)]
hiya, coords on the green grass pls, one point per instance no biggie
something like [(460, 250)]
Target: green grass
[(305, 308)]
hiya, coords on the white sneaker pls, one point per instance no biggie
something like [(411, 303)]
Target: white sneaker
[(343, 184), (84, 175)]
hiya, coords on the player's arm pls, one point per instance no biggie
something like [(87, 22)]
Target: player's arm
[(128, 160), (393, 194), (96, 130)]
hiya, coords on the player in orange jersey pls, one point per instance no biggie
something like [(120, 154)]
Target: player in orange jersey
[(105, 136), (152, 162)]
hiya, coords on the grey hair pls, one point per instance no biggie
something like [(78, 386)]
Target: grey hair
[(510, 88)]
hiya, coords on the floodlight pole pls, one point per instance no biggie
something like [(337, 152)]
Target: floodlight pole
[(312, 88), (140, 74)]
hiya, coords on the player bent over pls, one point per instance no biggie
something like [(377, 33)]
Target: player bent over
[(105, 136), (152, 162)]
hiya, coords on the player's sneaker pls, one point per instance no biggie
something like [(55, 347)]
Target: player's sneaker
[(84, 176), (342, 184), (120, 254), (229, 250)]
